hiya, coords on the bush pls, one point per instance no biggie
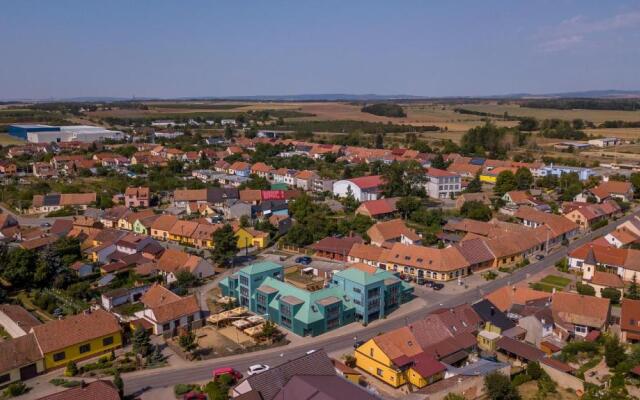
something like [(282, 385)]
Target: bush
[(490, 275), (520, 379), (534, 370), (16, 389), (585, 289), (181, 389), (72, 369), (612, 294)]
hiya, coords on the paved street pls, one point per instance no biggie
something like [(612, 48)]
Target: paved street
[(24, 220), (343, 338)]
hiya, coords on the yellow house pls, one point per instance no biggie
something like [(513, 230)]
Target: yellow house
[(487, 340), (160, 227), (182, 232), (77, 337), (396, 358), (249, 237)]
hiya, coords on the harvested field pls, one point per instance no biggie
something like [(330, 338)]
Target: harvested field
[(595, 116)]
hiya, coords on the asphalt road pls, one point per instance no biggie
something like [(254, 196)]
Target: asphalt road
[(31, 220), (201, 370)]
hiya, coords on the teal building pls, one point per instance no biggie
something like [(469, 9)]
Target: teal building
[(354, 294)]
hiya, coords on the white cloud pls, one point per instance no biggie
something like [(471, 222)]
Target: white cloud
[(578, 29)]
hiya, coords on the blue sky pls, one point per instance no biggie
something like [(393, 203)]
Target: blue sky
[(72, 48)]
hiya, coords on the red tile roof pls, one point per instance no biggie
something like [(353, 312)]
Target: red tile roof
[(368, 182)]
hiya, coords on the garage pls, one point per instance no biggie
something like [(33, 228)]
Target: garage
[(28, 372)]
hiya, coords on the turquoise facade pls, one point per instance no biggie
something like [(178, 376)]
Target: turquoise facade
[(351, 295)]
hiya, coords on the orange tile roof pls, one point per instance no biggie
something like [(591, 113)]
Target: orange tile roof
[(366, 252), (578, 309), (183, 228), (59, 334), (630, 315), (439, 260), (507, 296), (607, 279), (164, 222), (390, 231), (606, 189)]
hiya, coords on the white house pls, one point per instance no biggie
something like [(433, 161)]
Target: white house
[(605, 142), (363, 188), (168, 313), (442, 184)]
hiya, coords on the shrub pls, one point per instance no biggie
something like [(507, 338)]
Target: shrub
[(520, 379), (181, 389), (585, 289), (16, 389), (612, 294), (534, 370), (72, 369)]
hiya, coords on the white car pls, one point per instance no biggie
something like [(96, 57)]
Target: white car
[(257, 368), (311, 351)]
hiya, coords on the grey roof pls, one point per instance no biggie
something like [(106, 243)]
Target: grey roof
[(322, 388), (479, 368), (269, 383), (591, 258), (51, 200), (489, 313)]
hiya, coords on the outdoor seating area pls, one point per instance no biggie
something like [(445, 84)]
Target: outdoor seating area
[(226, 316)]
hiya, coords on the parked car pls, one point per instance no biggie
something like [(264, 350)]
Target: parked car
[(311, 351), (428, 283), (437, 286), (218, 372), (45, 225), (304, 260), (539, 257), (194, 396), (358, 343), (257, 368)]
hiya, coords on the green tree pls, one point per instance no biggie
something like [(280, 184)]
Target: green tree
[(225, 245), (379, 141), (612, 294), (534, 370), (439, 162), (72, 369), (475, 185), (505, 182), (19, 267), (349, 202), (498, 387), (635, 182), (524, 178), (118, 383), (633, 292), (156, 357), (407, 205), (228, 132), (614, 352), (476, 210), (140, 341), (185, 278), (188, 341)]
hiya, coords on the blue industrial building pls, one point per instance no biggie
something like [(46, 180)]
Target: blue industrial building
[(21, 130), (559, 170)]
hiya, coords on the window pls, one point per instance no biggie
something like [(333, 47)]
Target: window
[(107, 341), (166, 327), (5, 378), (371, 352), (85, 348), (379, 372), (244, 280), (59, 356)]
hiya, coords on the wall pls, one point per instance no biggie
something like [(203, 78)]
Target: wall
[(564, 380), (73, 352)]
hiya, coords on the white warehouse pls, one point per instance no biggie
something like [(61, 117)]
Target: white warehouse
[(73, 133)]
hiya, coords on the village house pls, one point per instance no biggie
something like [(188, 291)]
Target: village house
[(630, 321), (94, 333), (442, 184), (137, 197), (585, 215), (53, 202), (161, 227), (608, 190), (576, 315), (378, 209), (623, 262), (362, 188), (169, 313), (385, 234), (481, 197), (172, 261)]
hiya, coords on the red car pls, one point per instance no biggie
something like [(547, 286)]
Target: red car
[(218, 372), (194, 396)]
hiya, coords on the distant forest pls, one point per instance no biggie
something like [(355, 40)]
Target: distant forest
[(385, 110), (586, 104)]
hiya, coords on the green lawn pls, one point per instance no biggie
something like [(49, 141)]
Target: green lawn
[(543, 287), (555, 280)]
